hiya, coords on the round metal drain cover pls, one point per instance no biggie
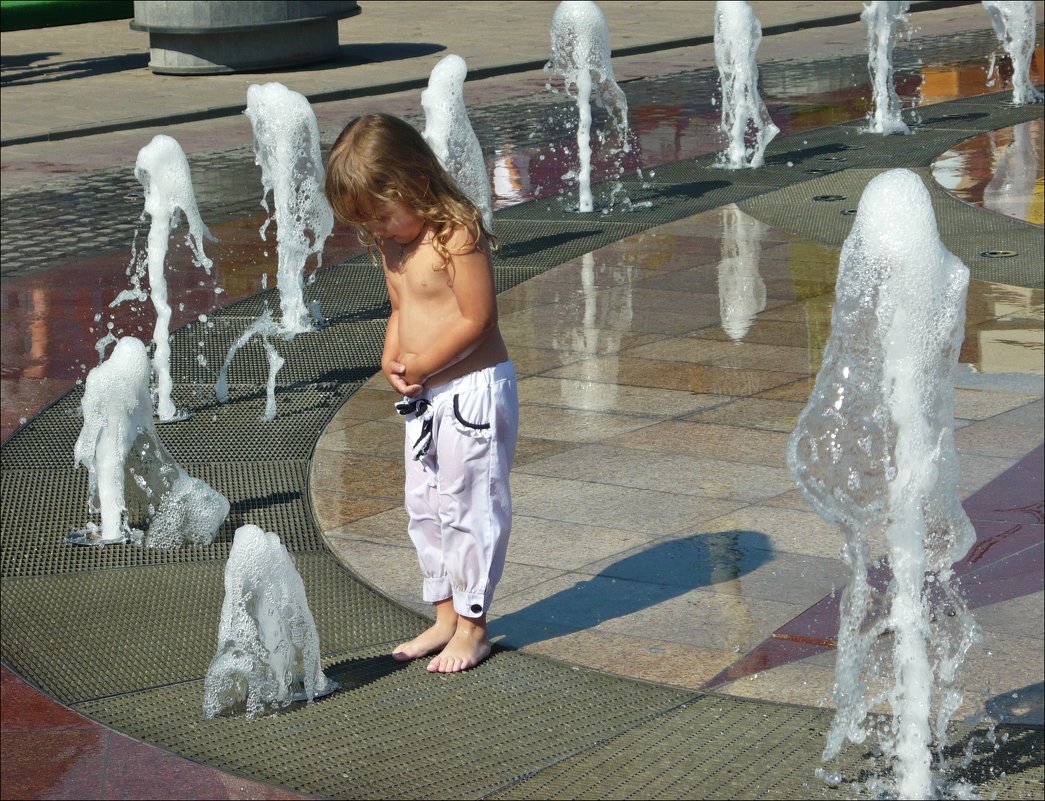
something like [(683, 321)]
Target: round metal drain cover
[(828, 198), (999, 254)]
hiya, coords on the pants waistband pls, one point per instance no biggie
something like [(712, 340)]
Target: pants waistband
[(486, 377)]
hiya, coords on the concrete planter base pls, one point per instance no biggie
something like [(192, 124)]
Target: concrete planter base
[(205, 38)]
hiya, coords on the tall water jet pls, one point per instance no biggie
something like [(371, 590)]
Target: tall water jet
[(268, 648), (1014, 25), (449, 133), (741, 290), (286, 147), (122, 453), (163, 171), (581, 55), (885, 20), (874, 452), (745, 119)]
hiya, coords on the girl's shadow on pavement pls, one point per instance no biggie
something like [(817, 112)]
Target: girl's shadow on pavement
[(664, 570)]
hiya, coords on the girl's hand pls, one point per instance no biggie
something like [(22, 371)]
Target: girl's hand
[(395, 373), (411, 374)]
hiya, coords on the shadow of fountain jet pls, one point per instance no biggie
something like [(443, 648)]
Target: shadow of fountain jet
[(664, 570), (1007, 561)]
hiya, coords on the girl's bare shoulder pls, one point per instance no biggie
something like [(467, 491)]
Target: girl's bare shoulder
[(465, 239)]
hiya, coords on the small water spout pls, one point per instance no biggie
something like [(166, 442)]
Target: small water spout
[(746, 123), (581, 55), (873, 451), (450, 135), (268, 653), (885, 20), (1014, 25), (286, 147), (163, 171), (265, 327), (122, 453)]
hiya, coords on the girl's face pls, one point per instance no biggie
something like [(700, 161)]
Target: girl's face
[(398, 223)]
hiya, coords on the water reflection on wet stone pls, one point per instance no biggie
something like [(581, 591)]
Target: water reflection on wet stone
[(1000, 170)]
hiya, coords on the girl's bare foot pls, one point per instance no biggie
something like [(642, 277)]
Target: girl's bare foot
[(434, 637), (467, 648)]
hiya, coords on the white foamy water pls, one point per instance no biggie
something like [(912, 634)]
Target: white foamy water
[(265, 327), (449, 133), (885, 20), (122, 453), (286, 147), (874, 452), (268, 648), (163, 171), (581, 55), (1014, 25), (746, 123)]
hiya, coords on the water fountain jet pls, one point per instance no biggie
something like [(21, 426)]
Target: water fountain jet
[(268, 653), (885, 20), (163, 171), (1014, 25), (286, 147), (581, 55), (874, 452), (745, 119), (119, 447), (450, 135)]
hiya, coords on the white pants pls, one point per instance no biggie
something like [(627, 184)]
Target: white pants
[(460, 444)]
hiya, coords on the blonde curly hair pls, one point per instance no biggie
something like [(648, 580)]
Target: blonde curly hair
[(379, 159)]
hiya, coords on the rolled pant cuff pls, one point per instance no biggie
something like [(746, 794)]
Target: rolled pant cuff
[(469, 604), (436, 589)]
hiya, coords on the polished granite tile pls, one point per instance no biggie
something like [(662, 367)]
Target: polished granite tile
[(529, 449), (703, 618), (387, 527), (686, 475), (642, 658), (1022, 617), (1029, 415), (567, 326), (791, 531), (564, 545), (1001, 666), (796, 683), (971, 404), (366, 404), (382, 438), (606, 506), (576, 425), (758, 413), (735, 355), (990, 438), (335, 508), (711, 441), (797, 391), (730, 562), (594, 396), (344, 471), (534, 361), (697, 378), (763, 331)]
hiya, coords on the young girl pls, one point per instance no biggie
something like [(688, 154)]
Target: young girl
[(444, 353)]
